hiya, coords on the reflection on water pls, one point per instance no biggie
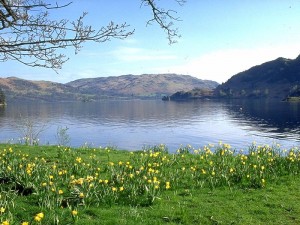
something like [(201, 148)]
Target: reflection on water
[(270, 118), (134, 124)]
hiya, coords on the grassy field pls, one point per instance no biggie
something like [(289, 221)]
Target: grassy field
[(212, 185)]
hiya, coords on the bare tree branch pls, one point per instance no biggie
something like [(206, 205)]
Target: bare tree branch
[(29, 36), (165, 19)]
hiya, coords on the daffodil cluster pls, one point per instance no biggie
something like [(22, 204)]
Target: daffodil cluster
[(80, 178)]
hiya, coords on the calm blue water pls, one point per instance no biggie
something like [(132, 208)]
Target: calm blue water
[(135, 124)]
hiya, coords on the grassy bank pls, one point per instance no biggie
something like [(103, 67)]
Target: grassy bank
[(212, 185)]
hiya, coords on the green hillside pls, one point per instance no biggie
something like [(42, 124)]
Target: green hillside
[(279, 78)]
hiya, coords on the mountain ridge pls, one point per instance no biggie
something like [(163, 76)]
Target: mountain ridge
[(276, 79), (147, 84), (87, 89)]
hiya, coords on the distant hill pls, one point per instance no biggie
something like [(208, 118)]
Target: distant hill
[(126, 86), (142, 86), (279, 78), (16, 89)]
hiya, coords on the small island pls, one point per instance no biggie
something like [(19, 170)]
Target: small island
[(294, 96), (196, 93)]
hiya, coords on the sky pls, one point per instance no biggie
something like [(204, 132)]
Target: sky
[(218, 40)]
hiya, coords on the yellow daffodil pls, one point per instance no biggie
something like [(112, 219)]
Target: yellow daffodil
[(74, 212), (6, 222), (38, 217), (41, 215), (81, 195), (78, 159), (168, 185)]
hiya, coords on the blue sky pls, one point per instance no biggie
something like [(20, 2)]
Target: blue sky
[(219, 39)]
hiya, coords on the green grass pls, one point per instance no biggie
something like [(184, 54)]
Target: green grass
[(212, 185)]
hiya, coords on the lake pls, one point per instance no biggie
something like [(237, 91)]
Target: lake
[(135, 124)]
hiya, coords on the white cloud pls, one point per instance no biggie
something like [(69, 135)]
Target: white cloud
[(221, 65), (218, 65), (141, 54)]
